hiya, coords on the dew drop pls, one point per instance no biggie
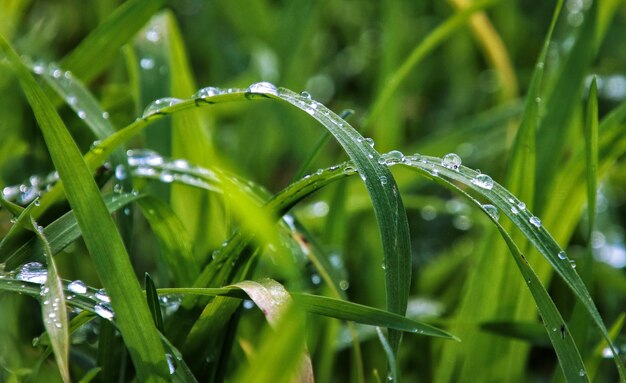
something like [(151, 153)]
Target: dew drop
[(146, 63), (581, 372), (562, 255), (37, 202), (171, 363), (514, 210), (535, 221), (104, 311), (451, 161), (33, 272), (349, 169), (71, 99), (39, 68), (105, 115), (120, 172), (82, 114), (391, 158), (383, 180), (492, 211), (344, 285), (572, 263), (207, 92), (316, 279), (166, 177), (369, 141), (77, 287), (263, 87), (157, 105), (521, 206), (152, 35), (144, 157), (483, 181), (306, 95), (102, 296)]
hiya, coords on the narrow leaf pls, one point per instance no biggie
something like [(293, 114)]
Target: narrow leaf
[(101, 237), (152, 297)]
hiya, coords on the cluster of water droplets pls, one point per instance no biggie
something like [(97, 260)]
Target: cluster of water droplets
[(27, 192), (68, 84)]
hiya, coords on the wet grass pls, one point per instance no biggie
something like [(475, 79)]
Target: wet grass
[(159, 230)]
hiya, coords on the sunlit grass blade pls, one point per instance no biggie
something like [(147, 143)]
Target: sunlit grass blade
[(53, 308), (600, 352), (100, 234), (96, 52), (90, 375)]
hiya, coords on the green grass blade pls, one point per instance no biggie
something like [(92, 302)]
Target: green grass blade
[(344, 310), (101, 237), (591, 153), (561, 103), (152, 298), (529, 225), (392, 375), (54, 310), (102, 45)]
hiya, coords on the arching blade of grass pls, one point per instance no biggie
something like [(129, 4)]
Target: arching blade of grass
[(330, 307), (378, 180), (102, 45), (529, 225), (100, 234), (53, 309)]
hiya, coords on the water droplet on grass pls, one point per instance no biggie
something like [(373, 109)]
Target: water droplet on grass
[(104, 311), (369, 141), (483, 181), (391, 158), (157, 105), (146, 63), (170, 363), (535, 221), (521, 206), (263, 87), (383, 180), (82, 114), (562, 255), (144, 157), (166, 177), (77, 287), (102, 296), (581, 372), (514, 210), (451, 161), (207, 92), (492, 211), (344, 285), (305, 94), (33, 272), (120, 172)]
